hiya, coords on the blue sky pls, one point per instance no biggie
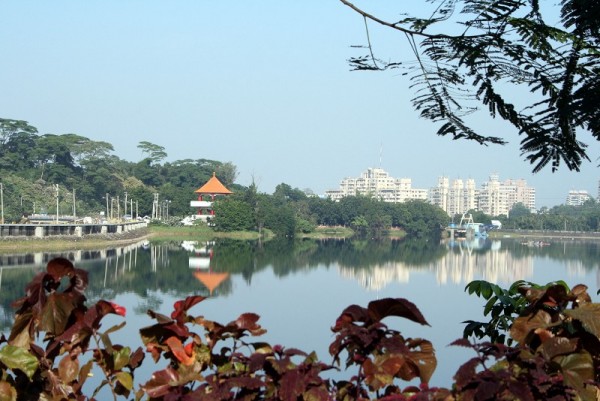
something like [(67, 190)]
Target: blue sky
[(263, 84)]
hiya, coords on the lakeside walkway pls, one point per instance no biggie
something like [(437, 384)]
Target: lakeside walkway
[(19, 231), (505, 233)]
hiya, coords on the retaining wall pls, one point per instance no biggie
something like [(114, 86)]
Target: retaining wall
[(75, 230)]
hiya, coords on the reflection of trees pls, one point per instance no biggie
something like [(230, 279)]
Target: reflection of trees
[(165, 267)]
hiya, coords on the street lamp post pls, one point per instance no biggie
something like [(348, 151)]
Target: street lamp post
[(2, 203)]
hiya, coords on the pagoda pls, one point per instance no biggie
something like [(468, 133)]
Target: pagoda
[(206, 196)]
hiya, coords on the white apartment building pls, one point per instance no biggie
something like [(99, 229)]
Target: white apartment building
[(577, 198), (454, 197), (496, 198), (377, 183)]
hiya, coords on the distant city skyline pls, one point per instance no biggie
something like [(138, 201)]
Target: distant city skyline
[(494, 197), (263, 85)]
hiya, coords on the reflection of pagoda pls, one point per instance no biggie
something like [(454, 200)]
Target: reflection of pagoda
[(201, 262), (206, 197)]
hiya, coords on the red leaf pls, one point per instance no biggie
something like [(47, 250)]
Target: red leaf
[(400, 307), (181, 307), (179, 351), (59, 268), (118, 309), (160, 382)]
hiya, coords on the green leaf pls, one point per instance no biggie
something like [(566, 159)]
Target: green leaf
[(121, 358), (588, 315), (115, 328), (125, 379), (489, 305), (19, 358)]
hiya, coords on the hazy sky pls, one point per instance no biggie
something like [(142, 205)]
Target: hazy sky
[(262, 84)]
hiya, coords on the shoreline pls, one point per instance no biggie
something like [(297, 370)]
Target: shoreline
[(562, 235), (62, 243)]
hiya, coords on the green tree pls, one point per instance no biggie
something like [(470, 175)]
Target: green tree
[(233, 215), (155, 153), (472, 54), (518, 210), (10, 128), (227, 173)]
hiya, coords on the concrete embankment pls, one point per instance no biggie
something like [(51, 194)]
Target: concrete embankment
[(567, 235)]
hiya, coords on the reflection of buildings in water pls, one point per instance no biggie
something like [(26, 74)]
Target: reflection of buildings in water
[(459, 265), (497, 266), (200, 260), (577, 268), (121, 257), (376, 277)]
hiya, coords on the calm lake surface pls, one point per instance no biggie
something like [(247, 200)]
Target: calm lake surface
[(299, 288)]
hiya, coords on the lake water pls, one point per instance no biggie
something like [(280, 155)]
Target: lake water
[(299, 288)]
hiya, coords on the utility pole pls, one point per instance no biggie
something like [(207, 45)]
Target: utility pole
[(2, 203), (56, 203), (125, 203), (107, 206), (74, 212)]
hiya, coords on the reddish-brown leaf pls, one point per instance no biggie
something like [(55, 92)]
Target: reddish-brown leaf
[(487, 390), (520, 390), (350, 315), (56, 312), (381, 371), (181, 307), (7, 392), (247, 321), (136, 358), (161, 382), (400, 307), (524, 325), (22, 332), (589, 316), (176, 347), (581, 295), (68, 368), (558, 346), (422, 356), (466, 372), (58, 268)]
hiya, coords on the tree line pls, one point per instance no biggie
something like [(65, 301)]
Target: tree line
[(88, 178)]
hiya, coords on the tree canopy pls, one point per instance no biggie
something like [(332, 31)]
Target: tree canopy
[(483, 54)]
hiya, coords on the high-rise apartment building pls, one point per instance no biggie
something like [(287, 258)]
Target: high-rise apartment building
[(456, 196), (577, 198), (378, 183), (497, 198)]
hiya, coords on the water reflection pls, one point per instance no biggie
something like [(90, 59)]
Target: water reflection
[(293, 285), (185, 267)]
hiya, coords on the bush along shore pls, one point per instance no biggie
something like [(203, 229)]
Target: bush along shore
[(541, 342)]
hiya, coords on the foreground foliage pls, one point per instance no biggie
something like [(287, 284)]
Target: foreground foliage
[(484, 54), (56, 342)]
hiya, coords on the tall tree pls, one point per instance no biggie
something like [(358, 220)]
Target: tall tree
[(9, 128), (155, 153), (484, 53)]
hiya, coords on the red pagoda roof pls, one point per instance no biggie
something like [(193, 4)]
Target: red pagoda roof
[(213, 186)]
